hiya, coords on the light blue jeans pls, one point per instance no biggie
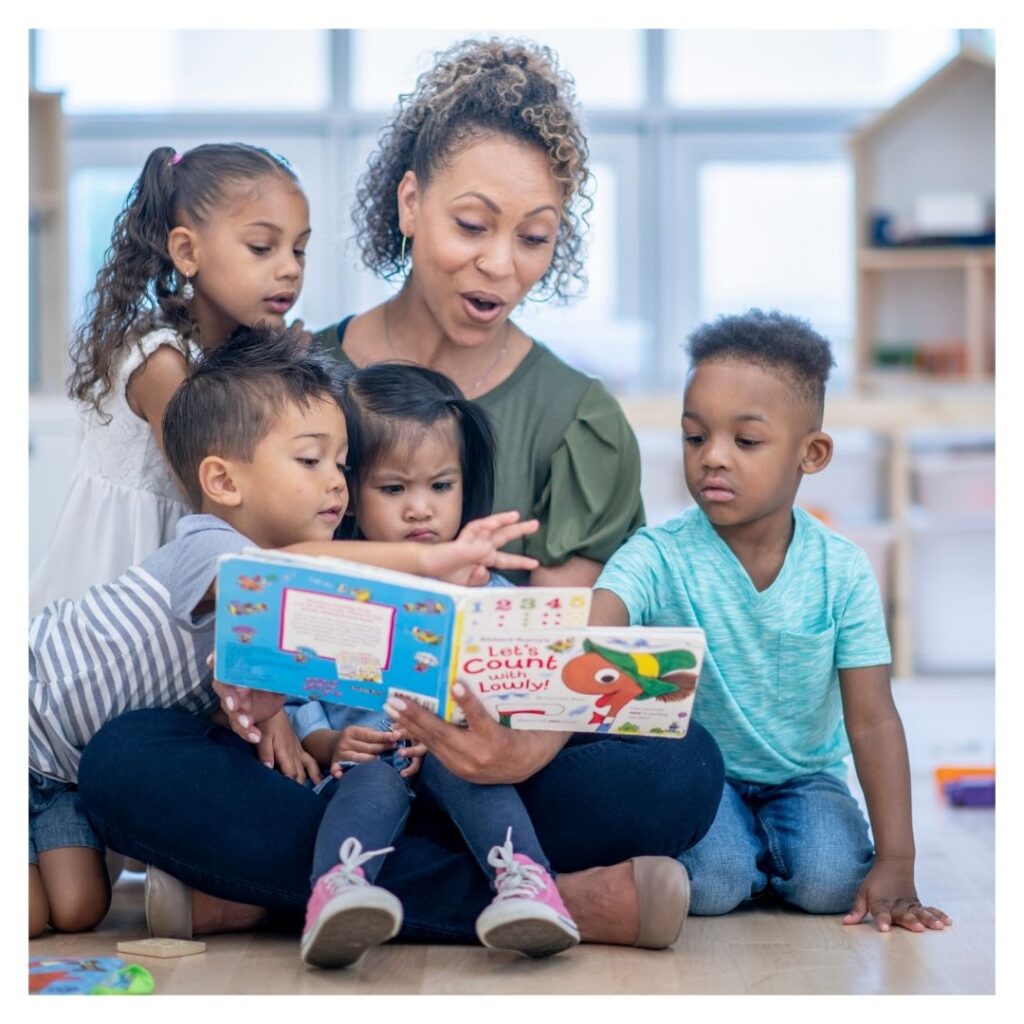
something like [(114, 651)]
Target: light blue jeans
[(807, 839)]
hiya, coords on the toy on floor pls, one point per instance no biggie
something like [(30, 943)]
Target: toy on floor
[(161, 948), (967, 786), (97, 976)]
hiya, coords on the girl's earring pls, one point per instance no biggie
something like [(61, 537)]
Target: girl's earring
[(405, 238), (188, 293)]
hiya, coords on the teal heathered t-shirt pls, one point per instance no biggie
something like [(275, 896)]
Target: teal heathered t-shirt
[(769, 686)]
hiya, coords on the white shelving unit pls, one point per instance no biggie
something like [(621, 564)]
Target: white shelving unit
[(939, 139)]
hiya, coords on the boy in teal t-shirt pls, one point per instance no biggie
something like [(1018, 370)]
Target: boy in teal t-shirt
[(796, 640)]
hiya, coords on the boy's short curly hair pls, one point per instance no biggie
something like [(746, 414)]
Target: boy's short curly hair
[(781, 344), (512, 88), (234, 393)]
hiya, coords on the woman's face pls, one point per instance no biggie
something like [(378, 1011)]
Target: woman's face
[(483, 233)]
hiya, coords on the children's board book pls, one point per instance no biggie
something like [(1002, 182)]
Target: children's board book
[(348, 633)]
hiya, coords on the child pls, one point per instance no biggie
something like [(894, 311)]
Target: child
[(257, 437), (796, 640), (207, 240), (423, 466)]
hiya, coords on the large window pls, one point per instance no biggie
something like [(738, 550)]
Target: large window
[(720, 166)]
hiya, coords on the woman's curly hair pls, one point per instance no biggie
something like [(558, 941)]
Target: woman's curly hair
[(137, 288), (512, 88)]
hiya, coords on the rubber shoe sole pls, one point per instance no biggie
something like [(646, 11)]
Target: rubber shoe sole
[(533, 930), (348, 927)]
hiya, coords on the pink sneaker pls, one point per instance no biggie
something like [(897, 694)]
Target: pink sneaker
[(527, 914), (346, 915)]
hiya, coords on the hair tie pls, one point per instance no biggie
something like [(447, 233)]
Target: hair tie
[(176, 159)]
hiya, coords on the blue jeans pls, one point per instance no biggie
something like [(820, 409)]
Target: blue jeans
[(175, 790), (805, 838), (483, 814), (55, 817), (371, 802)]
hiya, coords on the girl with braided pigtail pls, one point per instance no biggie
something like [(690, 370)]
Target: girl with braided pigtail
[(206, 241)]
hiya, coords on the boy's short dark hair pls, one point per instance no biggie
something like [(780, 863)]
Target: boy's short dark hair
[(391, 405), (774, 341), (232, 395)]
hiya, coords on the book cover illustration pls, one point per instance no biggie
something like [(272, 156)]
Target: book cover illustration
[(639, 680), (354, 634)]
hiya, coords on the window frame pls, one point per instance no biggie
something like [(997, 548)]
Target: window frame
[(660, 165)]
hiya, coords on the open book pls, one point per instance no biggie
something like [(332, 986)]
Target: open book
[(349, 633)]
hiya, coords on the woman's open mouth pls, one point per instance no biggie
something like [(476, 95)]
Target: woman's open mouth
[(482, 307)]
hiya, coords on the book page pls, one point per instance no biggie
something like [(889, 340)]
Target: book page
[(333, 626), (526, 608)]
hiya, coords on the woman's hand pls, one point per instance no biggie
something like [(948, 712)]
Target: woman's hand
[(484, 751), (466, 559), (245, 708), (280, 748)]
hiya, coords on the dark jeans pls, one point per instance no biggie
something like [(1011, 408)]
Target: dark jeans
[(482, 814), (370, 802), (190, 797)]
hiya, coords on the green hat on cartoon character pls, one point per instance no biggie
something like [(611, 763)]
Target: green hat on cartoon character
[(651, 672)]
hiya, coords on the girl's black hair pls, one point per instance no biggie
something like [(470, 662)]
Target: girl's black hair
[(137, 288), (391, 405)]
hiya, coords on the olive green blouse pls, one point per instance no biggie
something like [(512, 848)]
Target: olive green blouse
[(566, 454)]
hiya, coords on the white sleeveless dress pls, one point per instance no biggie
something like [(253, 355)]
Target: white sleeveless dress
[(123, 502)]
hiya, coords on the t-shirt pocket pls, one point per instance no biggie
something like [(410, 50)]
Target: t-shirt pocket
[(806, 663)]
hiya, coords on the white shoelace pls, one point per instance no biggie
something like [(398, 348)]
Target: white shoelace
[(512, 878), (351, 857)]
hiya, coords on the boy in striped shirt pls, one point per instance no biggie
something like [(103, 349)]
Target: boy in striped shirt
[(257, 439)]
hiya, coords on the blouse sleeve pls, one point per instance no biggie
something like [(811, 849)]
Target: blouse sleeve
[(591, 502), (144, 348)]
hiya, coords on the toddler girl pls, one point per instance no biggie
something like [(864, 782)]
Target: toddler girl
[(207, 240), (423, 459)]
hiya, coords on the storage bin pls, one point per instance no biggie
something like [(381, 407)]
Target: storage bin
[(662, 482), (955, 484), (852, 487), (953, 597), (877, 540)]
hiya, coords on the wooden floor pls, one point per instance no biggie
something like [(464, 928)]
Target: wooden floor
[(764, 950)]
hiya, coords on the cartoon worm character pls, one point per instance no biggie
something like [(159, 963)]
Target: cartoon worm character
[(621, 676)]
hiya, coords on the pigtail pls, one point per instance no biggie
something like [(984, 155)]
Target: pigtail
[(137, 287), (478, 457), (136, 279)]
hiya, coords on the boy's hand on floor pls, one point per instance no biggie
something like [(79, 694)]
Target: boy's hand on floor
[(280, 748), (889, 896)]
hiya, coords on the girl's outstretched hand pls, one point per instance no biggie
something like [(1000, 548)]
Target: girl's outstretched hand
[(467, 559)]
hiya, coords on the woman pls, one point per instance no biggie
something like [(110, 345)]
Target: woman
[(485, 163), (475, 194)]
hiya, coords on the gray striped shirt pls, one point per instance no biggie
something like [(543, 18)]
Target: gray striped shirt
[(128, 644)]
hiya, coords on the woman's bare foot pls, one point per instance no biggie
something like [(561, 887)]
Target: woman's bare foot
[(603, 903), (211, 914)]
